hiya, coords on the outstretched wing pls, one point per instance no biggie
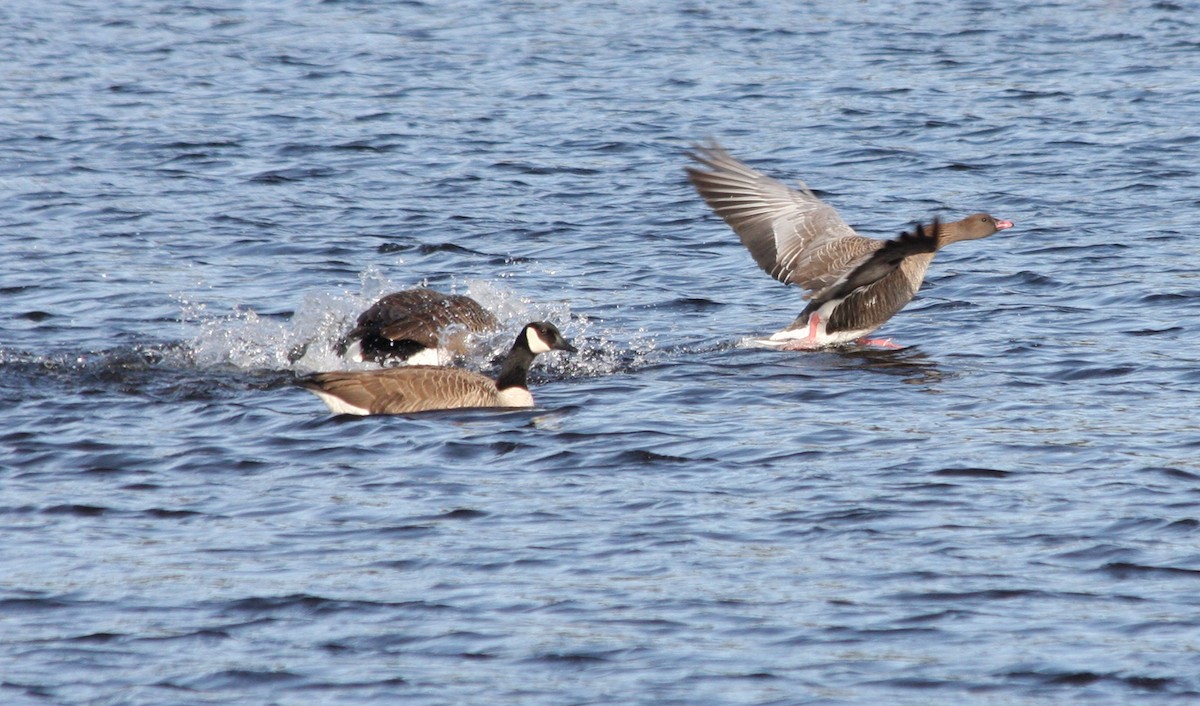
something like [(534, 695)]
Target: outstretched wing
[(793, 235)]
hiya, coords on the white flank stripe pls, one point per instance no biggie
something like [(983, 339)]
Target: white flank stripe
[(339, 406)]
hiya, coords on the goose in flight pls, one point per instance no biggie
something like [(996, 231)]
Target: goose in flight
[(854, 283)]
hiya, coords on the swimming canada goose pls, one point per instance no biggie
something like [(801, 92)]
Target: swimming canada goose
[(420, 388), (410, 327), (799, 239)]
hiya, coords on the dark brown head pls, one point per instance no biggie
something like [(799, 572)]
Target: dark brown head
[(973, 227)]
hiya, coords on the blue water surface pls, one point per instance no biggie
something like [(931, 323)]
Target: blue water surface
[(196, 199)]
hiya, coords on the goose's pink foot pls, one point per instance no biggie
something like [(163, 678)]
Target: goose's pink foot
[(814, 320), (879, 343), (809, 342)]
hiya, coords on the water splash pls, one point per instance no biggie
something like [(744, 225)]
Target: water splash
[(248, 341), (305, 341)]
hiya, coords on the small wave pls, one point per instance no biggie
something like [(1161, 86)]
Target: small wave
[(1125, 570), (158, 371), (972, 473), (238, 678), (272, 606), (12, 606), (77, 510), (575, 658), (1085, 678), (286, 176)]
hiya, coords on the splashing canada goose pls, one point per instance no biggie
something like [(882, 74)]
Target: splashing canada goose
[(799, 239), (420, 388), (411, 327)]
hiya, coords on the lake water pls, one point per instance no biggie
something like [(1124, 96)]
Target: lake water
[(192, 195)]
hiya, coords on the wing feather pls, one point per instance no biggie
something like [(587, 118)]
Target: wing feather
[(416, 388), (421, 315), (793, 235)]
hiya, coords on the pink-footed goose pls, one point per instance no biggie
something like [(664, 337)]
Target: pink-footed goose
[(854, 283), (421, 388), (410, 327)]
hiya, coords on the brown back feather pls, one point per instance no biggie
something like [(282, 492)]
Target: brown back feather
[(420, 315), (415, 388)]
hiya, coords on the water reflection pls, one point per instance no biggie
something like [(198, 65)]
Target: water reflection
[(912, 365)]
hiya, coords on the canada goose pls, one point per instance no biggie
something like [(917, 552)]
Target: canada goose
[(419, 388), (410, 327), (799, 239)]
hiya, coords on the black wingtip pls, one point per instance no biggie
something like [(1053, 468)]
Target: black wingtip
[(921, 239)]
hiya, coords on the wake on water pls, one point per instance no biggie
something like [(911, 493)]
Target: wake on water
[(242, 349), (305, 342)]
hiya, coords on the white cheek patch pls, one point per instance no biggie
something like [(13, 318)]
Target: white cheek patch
[(536, 344)]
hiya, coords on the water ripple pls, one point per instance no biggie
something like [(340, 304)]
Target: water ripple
[(199, 199)]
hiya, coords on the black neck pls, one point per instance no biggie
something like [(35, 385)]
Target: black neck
[(515, 372)]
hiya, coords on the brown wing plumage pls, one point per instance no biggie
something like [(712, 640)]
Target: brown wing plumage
[(420, 315), (415, 388), (882, 262), (792, 235), (878, 286), (405, 323), (868, 308)]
